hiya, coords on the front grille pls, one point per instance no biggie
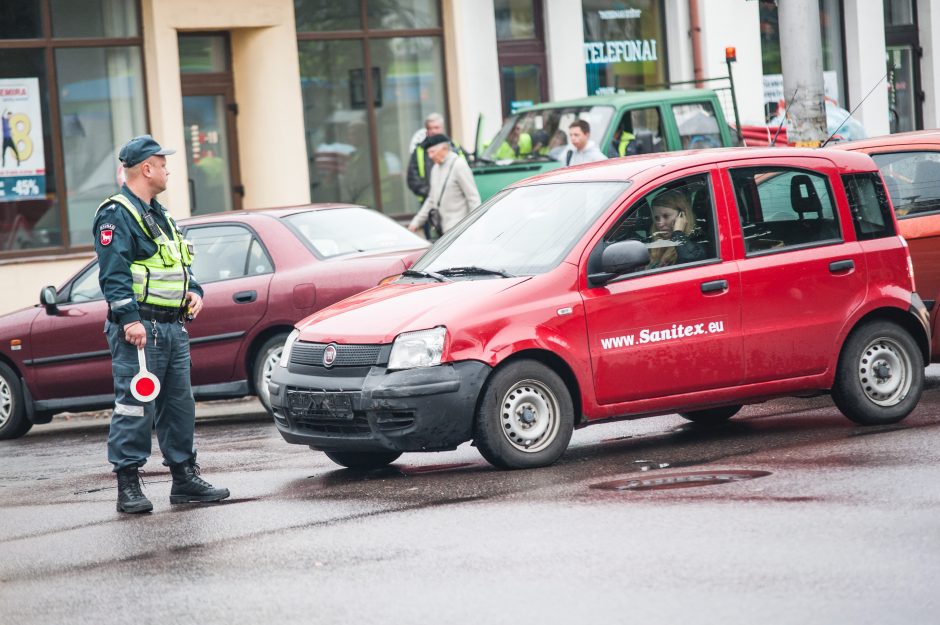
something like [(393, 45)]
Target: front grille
[(311, 354), (321, 423)]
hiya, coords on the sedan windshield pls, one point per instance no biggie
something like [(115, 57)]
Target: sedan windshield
[(543, 133), (522, 231), (338, 231)]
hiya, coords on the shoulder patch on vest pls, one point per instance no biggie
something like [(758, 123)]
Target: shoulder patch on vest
[(106, 236), (107, 227)]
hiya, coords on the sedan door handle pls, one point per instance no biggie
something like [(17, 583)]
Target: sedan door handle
[(245, 297), (714, 286), (841, 266)]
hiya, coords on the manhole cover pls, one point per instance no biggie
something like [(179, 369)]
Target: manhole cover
[(689, 479)]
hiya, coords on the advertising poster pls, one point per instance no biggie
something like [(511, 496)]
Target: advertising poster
[(23, 162)]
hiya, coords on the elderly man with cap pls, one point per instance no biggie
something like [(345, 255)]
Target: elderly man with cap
[(452, 193), (144, 272)]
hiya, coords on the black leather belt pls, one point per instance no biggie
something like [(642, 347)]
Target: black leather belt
[(149, 312)]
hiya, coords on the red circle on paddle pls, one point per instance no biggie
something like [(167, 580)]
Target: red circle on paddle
[(144, 386)]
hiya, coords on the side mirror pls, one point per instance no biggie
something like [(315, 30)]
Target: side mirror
[(620, 258), (47, 297)]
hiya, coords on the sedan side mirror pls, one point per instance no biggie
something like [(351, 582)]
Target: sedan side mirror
[(620, 258), (47, 297)]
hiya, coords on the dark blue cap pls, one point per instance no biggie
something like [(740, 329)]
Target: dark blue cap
[(139, 149)]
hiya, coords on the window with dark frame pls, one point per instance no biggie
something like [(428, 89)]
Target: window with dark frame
[(362, 126), (520, 48), (60, 144)]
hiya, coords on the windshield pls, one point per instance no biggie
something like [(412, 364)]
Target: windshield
[(522, 231), (337, 231), (543, 134)]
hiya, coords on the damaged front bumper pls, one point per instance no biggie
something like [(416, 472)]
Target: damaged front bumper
[(423, 409)]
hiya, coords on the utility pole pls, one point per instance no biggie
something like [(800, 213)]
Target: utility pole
[(801, 60)]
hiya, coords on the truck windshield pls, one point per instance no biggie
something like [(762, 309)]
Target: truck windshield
[(543, 133), (522, 231)]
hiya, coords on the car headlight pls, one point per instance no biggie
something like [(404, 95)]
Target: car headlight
[(288, 345), (423, 348)]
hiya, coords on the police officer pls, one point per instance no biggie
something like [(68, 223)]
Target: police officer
[(145, 277)]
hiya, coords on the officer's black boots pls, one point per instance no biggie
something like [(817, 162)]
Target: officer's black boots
[(130, 498), (188, 487)]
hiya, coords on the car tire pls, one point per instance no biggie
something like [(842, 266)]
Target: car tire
[(13, 421), (880, 376), (265, 361), (525, 418), (711, 416), (363, 460)]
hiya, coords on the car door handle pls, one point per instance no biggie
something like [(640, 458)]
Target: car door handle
[(245, 297), (840, 266), (714, 286)]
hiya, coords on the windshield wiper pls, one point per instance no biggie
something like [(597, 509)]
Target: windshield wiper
[(471, 270), (415, 273)]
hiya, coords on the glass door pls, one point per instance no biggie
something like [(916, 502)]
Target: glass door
[(903, 52), (209, 136)]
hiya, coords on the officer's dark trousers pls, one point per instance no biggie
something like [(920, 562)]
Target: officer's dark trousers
[(173, 412)]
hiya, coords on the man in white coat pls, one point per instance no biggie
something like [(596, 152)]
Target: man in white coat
[(453, 193)]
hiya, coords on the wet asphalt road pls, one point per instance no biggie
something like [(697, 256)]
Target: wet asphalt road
[(845, 528)]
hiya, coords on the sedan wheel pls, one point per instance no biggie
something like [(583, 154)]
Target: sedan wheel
[(265, 362), (13, 421)]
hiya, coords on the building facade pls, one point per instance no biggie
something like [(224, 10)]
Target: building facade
[(284, 102)]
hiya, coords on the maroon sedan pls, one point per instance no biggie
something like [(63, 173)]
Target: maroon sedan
[(262, 271)]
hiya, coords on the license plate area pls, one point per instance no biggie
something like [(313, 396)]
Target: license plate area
[(322, 405)]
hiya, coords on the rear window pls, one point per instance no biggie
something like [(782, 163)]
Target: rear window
[(698, 125), (871, 214), (912, 180), (783, 208), (338, 231)]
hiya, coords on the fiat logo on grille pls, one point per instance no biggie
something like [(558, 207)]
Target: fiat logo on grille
[(329, 355)]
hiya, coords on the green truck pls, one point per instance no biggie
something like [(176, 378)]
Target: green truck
[(534, 139)]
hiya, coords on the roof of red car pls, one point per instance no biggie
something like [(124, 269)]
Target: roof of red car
[(913, 138), (630, 167), (261, 213)]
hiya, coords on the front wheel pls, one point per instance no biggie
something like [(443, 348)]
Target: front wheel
[(363, 460), (263, 367), (880, 375), (711, 416), (13, 421), (526, 417)]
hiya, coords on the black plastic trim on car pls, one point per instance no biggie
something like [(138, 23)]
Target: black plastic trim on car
[(216, 337), (48, 360), (223, 390)]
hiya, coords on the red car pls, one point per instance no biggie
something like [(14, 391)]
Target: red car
[(261, 270), (910, 164), (693, 283)]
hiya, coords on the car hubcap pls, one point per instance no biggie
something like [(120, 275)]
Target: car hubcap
[(6, 402), (884, 371), (529, 416), (267, 370)]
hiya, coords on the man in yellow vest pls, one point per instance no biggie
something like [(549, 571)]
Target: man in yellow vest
[(144, 272)]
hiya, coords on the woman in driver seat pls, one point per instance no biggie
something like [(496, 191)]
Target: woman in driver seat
[(673, 222)]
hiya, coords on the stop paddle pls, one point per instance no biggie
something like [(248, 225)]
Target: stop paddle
[(144, 386)]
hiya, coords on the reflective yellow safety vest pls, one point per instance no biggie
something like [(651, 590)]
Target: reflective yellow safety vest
[(162, 279), (506, 151), (625, 139)]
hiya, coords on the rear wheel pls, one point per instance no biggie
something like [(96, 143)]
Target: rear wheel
[(363, 460), (526, 417), (13, 421), (880, 376), (711, 416), (263, 367)]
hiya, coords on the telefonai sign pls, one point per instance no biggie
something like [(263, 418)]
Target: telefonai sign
[(630, 51)]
